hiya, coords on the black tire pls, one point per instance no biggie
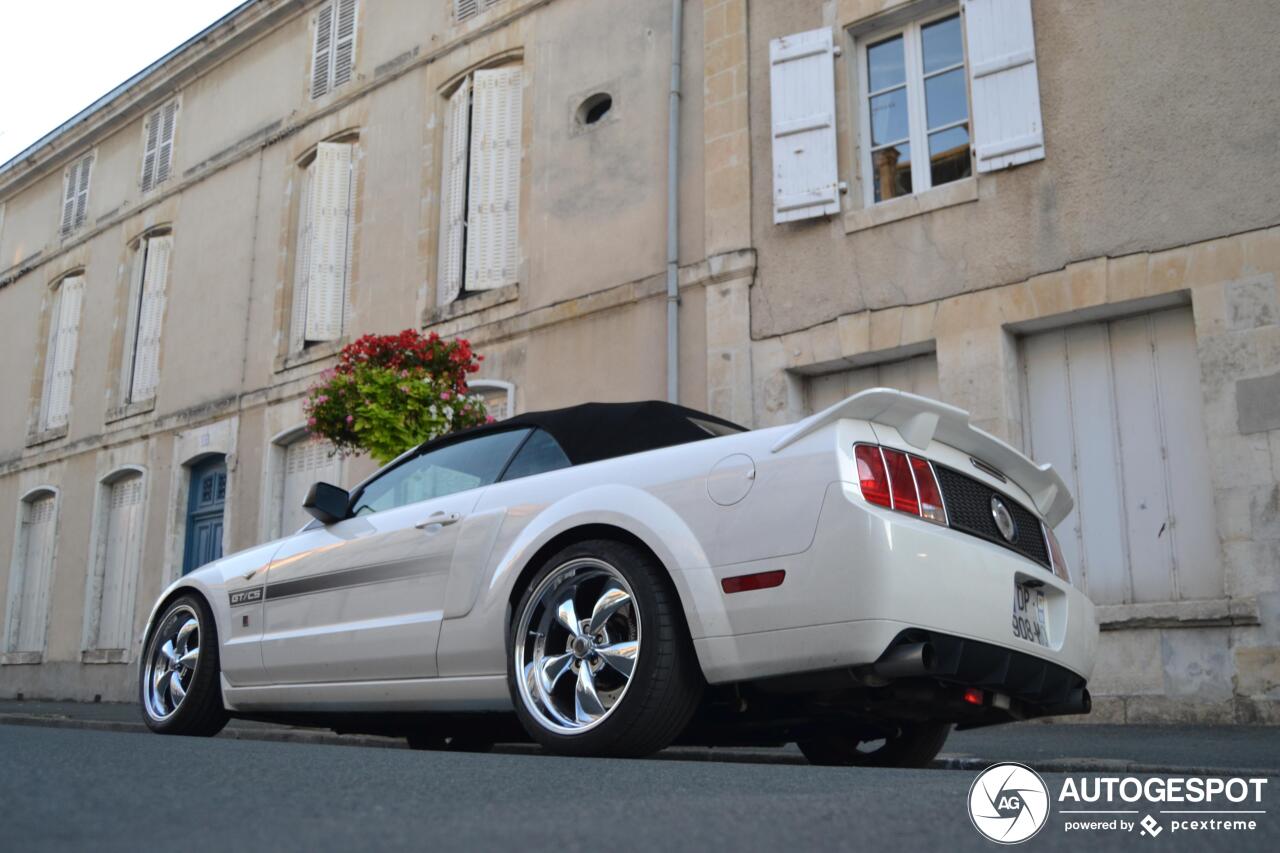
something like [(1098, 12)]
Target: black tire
[(915, 745), (442, 743), (200, 712), (666, 683)]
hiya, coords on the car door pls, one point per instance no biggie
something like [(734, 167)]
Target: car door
[(361, 599)]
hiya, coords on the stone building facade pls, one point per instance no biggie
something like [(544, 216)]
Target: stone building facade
[(1056, 215)]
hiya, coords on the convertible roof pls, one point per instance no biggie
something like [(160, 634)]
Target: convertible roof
[(594, 431)]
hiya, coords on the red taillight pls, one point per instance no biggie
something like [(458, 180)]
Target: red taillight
[(931, 506), (760, 580), (891, 478), (1055, 554), (973, 696), (871, 474), (901, 483)]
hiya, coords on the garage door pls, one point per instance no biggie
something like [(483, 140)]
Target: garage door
[(919, 375), (1116, 408)]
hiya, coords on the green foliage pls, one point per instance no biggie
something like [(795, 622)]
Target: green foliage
[(389, 393)]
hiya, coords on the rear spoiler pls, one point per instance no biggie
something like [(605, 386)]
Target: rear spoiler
[(920, 420)]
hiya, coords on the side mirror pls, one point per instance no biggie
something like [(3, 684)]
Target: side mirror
[(327, 503)]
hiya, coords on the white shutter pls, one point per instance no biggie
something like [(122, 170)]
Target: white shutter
[(322, 55), (464, 9), (120, 560), (164, 153), (1001, 47), (1116, 408), (453, 202), (302, 265), (806, 181), (61, 356), (307, 461), (150, 147), (344, 42), (146, 361), (82, 191), (493, 200), (26, 631), (330, 199), (69, 184)]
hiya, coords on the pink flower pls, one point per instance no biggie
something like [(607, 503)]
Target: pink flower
[(445, 395), (350, 419), (490, 419), (322, 399), (311, 422)]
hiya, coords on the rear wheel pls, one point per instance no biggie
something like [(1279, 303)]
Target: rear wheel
[(179, 689), (599, 661), (912, 744)]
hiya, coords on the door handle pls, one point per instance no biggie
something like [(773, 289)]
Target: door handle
[(439, 518)]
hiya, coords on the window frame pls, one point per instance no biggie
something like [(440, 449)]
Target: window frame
[(19, 569), (296, 342), (91, 649), (917, 119)]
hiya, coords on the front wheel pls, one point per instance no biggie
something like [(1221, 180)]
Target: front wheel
[(179, 686), (910, 744), (599, 661)]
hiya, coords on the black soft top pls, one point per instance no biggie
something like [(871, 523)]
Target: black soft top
[(594, 431)]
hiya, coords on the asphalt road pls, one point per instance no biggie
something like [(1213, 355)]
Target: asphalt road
[(69, 789)]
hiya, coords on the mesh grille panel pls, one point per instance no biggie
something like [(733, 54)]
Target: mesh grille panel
[(969, 509)]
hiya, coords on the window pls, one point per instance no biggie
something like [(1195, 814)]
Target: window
[(499, 397), (75, 195), (1116, 408), (157, 146), (323, 257), (305, 462), (117, 558), (28, 607), (915, 100), (456, 467), (464, 9), (540, 454), (60, 356), (334, 52), (141, 366), (480, 184)]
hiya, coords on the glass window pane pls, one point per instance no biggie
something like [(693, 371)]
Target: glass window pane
[(539, 455), (885, 65), (453, 468), (949, 158), (891, 172), (889, 117), (945, 99), (942, 47)]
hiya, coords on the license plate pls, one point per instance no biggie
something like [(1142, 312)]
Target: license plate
[(1030, 619)]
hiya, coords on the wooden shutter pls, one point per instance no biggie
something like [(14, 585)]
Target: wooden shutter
[(1116, 407), (122, 546), (453, 201), (1001, 46), (330, 222), (75, 193), (82, 191), (493, 196), (302, 266), (806, 181), (61, 356), (146, 360), (27, 626), (322, 54), (164, 153), (344, 41), (307, 461), (150, 148), (464, 9)]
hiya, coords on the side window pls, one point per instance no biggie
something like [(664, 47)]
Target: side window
[(453, 468), (539, 455)]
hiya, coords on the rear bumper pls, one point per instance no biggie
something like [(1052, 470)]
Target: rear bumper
[(871, 575)]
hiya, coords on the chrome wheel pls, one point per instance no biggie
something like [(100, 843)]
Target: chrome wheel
[(171, 667), (576, 645)]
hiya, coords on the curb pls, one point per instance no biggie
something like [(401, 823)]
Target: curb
[(284, 734)]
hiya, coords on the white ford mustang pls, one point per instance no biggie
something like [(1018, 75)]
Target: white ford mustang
[(626, 576)]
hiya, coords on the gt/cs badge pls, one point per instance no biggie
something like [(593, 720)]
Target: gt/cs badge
[(246, 596), (1004, 519)]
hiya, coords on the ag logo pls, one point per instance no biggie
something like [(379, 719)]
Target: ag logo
[(1008, 803)]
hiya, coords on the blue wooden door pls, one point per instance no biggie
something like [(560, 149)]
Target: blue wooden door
[(208, 495)]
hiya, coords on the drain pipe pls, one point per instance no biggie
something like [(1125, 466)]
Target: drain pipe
[(673, 207)]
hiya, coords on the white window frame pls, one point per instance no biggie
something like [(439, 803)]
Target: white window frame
[(20, 575), (91, 650), (917, 121), (304, 276), (162, 148), (328, 77), (140, 289), (482, 385), (54, 342), (74, 207)]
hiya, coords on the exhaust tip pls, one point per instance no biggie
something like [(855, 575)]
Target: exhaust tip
[(928, 657)]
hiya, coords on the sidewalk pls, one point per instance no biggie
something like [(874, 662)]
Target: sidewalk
[(1078, 748)]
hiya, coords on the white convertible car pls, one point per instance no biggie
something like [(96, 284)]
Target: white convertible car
[(627, 576)]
